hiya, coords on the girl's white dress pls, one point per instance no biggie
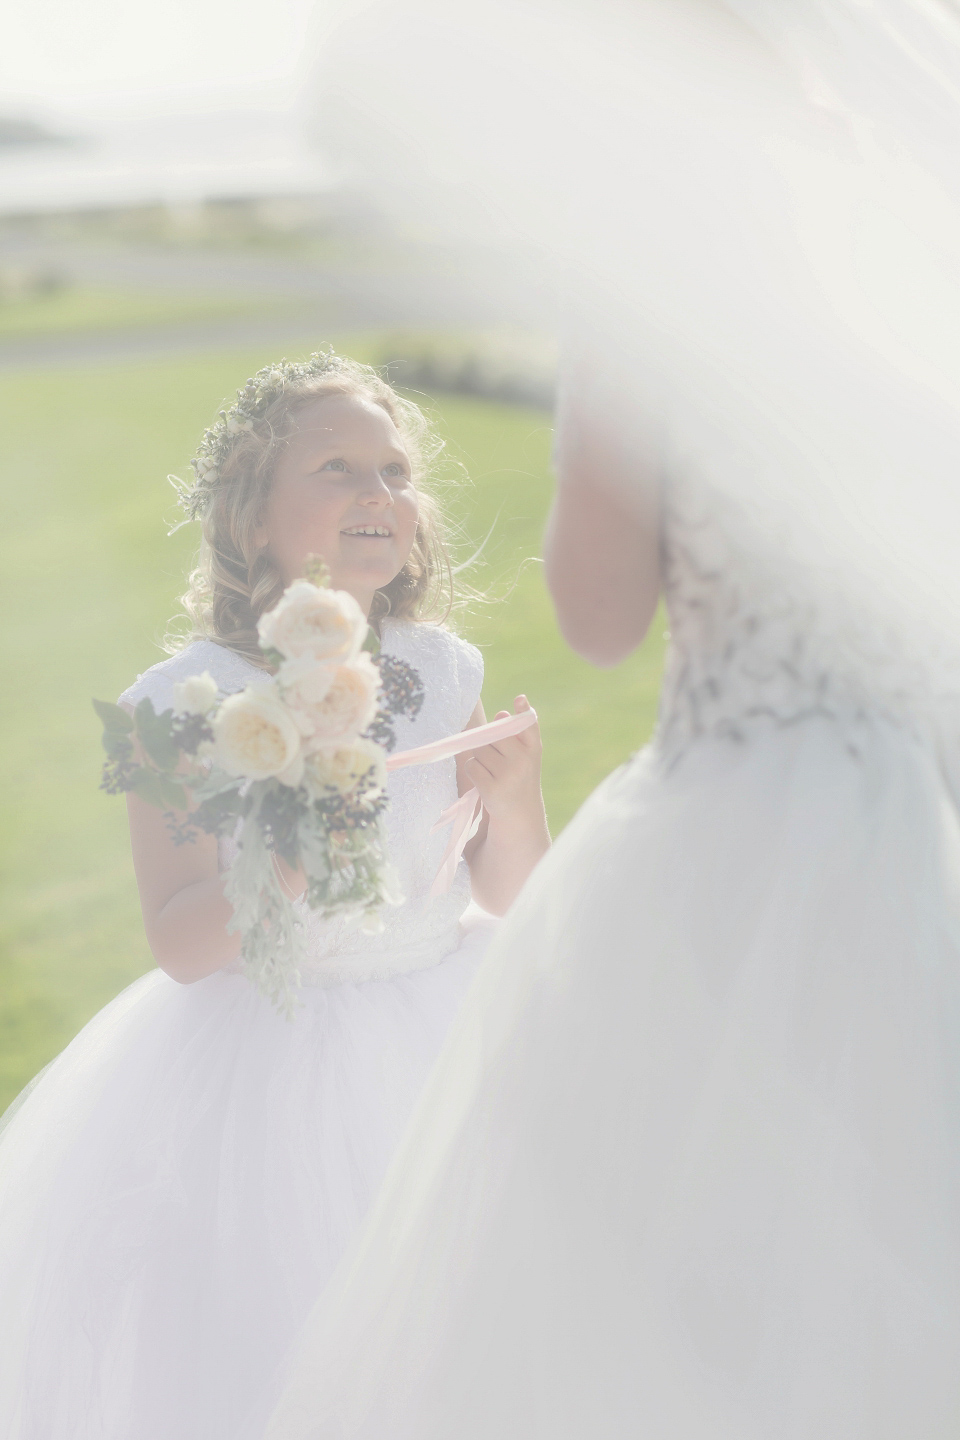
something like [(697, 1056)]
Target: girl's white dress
[(689, 1166), (177, 1186)]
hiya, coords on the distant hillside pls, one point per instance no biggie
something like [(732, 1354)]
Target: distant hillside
[(16, 131)]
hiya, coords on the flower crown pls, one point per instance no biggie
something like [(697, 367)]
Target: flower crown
[(252, 402)]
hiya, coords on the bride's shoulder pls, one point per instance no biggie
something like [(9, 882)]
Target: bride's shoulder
[(443, 659), (230, 670)]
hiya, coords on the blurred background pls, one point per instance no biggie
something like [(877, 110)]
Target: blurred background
[(171, 218)]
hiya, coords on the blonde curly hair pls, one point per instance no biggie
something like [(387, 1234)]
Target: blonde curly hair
[(235, 582)]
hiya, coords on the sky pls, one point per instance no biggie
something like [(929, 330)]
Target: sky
[(174, 101), (61, 58)]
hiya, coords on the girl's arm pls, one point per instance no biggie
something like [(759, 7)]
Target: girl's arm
[(185, 911), (601, 550), (513, 833)]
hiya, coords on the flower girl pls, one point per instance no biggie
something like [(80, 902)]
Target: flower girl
[(177, 1186)]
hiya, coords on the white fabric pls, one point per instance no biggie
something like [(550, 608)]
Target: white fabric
[(689, 1167), (178, 1185), (758, 200)]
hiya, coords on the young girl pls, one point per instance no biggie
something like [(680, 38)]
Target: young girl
[(176, 1188)]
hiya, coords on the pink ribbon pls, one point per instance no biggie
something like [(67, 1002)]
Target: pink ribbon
[(465, 814), (487, 734)]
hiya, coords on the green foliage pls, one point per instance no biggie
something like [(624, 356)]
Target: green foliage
[(158, 789), (90, 580), (316, 571), (153, 732), (116, 720), (218, 813), (116, 741)]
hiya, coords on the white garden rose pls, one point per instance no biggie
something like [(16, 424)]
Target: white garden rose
[(349, 705), (256, 738), (342, 767), (304, 683), (196, 695), (328, 625)]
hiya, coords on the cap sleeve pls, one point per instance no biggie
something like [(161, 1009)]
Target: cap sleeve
[(469, 676), (230, 670)]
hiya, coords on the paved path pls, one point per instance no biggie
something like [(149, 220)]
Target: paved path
[(53, 352), (417, 292)]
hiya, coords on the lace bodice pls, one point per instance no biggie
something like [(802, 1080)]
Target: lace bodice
[(422, 930), (761, 635)]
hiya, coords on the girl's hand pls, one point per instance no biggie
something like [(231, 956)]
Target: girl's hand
[(507, 774), (513, 834)]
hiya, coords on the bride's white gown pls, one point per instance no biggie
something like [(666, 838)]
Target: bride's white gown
[(176, 1187), (689, 1168)]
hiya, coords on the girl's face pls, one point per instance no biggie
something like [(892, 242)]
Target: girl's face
[(342, 489)]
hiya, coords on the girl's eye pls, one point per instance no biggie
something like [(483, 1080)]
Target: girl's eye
[(334, 465), (394, 469)]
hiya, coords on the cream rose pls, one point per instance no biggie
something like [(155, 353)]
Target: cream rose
[(308, 620), (304, 684), (348, 706), (196, 695), (342, 767), (255, 737)]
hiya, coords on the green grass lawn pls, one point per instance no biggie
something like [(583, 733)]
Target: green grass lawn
[(91, 579)]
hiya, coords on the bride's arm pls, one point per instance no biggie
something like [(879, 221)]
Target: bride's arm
[(601, 549)]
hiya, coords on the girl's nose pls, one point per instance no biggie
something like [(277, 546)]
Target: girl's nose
[(374, 490)]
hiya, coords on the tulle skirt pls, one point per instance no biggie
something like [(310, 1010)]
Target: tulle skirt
[(177, 1187), (689, 1166)]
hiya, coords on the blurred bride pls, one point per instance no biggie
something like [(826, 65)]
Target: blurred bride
[(689, 1165)]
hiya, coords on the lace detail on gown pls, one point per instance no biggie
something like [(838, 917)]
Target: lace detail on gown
[(230, 670), (422, 931), (758, 636)]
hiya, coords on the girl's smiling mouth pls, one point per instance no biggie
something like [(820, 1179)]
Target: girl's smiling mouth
[(375, 531)]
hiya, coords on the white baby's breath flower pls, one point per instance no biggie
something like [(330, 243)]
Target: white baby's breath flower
[(196, 695), (256, 738), (325, 624), (349, 705)]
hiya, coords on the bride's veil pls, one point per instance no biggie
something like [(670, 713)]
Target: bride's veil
[(756, 210)]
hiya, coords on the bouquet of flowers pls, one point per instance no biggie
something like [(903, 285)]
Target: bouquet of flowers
[(293, 766)]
